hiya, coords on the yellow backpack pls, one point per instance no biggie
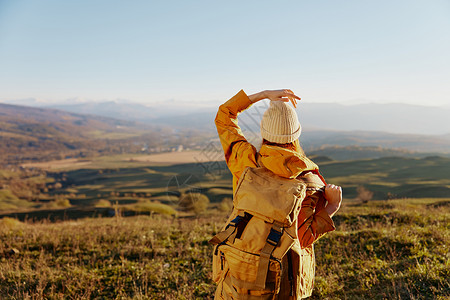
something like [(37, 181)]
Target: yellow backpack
[(258, 254)]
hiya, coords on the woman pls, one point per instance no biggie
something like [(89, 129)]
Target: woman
[(281, 154)]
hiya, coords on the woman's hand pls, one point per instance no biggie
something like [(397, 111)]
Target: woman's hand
[(276, 95), (282, 95), (333, 194)]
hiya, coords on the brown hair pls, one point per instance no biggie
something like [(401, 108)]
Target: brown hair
[(294, 146)]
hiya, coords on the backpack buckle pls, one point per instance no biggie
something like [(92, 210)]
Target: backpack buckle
[(240, 218), (274, 237), (235, 222)]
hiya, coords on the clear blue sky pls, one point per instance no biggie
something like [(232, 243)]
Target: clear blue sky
[(205, 51)]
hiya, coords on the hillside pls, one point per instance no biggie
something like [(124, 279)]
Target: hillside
[(131, 181), (420, 128), (380, 250), (327, 152), (390, 177), (98, 248), (38, 134), (390, 117), (124, 111), (28, 133), (403, 144), (35, 114)]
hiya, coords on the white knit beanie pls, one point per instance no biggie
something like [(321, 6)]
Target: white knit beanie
[(280, 123)]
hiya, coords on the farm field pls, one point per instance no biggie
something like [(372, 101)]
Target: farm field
[(81, 188), (126, 160)]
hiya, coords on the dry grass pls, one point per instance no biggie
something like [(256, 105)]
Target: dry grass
[(117, 258), (59, 164), (166, 158), (183, 157), (381, 250)]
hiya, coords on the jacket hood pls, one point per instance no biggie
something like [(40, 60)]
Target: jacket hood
[(285, 162)]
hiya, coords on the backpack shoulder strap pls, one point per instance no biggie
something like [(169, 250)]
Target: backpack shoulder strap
[(312, 180), (258, 159)]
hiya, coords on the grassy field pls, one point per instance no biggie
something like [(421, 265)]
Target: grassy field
[(70, 231), (386, 178), (125, 160), (402, 177), (396, 249), (141, 180)]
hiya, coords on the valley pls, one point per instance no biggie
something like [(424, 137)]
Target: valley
[(128, 208)]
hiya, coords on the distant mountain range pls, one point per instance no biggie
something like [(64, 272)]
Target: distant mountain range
[(327, 128), (30, 133), (21, 113), (154, 114), (316, 139), (40, 134), (392, 118)]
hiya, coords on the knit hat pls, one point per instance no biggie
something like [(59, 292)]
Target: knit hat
[(280, 123)]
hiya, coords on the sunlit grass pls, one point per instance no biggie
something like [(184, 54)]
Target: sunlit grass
[(153, 207), (9, 201), (396, 249)]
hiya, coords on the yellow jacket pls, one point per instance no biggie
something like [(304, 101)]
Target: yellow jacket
[(313, 220)]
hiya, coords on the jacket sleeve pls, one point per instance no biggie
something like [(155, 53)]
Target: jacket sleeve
[(313, 220), (239, 154)]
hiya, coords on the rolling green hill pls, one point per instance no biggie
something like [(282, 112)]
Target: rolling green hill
[(167, 255), (28, 133), (399, 176), (356, 152), (38, 134), (129, 183), (378, 251)]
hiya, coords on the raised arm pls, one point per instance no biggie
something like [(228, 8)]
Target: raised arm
[(239, 153)]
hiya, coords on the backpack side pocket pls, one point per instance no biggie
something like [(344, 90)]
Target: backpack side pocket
[(220, 266), (243, 270)]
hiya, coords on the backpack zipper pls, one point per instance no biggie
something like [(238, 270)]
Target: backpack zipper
[(290, 273)]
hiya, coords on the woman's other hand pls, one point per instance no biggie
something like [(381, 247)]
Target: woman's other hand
[(276, 95), (333, 194)]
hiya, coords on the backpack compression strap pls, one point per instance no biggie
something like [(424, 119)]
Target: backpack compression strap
[(264, 259), (271, 243), (233, 230)]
